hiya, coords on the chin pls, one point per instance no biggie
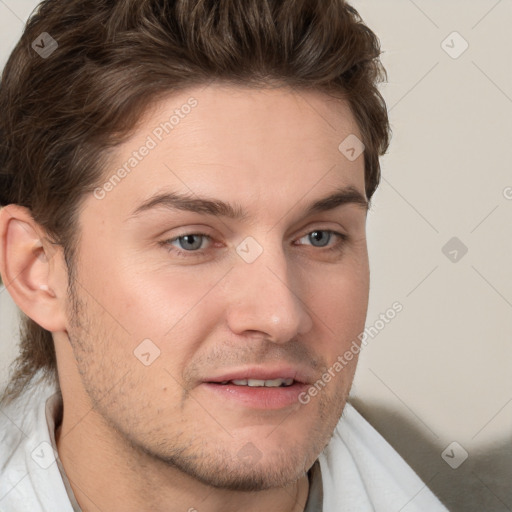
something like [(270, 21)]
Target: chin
[(248, 472), (251, 481)]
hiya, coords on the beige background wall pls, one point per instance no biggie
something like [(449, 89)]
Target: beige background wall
[(440, 371)]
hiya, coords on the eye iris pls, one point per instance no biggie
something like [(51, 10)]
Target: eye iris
[(187, 239), (316, 235)]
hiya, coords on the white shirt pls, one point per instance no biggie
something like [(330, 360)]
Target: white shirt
[(358, 471)]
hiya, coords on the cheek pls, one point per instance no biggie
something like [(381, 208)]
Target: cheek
[(146, 303), (174, 312), (340, 306)]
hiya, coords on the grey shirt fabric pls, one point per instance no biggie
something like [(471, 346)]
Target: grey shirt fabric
[(316, 495), (54, 419)]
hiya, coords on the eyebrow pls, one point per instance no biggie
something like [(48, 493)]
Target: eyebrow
[(216, 207)]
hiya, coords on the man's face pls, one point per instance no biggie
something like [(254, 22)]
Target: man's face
[(162, 322)]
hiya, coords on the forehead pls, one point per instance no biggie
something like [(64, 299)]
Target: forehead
[(282, 118), (232, 142)]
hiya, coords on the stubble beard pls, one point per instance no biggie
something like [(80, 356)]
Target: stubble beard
[(204, 460)]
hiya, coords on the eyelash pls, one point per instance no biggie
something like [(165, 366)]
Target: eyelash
[(199, 252)]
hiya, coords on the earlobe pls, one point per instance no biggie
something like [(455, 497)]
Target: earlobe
[(30, 268)]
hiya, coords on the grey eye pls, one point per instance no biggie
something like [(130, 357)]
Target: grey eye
[(320, 237), (190, 242)]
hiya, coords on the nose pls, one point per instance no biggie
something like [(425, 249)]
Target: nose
[(266, 298)]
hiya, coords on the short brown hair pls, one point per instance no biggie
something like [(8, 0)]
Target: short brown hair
[(61, 113)]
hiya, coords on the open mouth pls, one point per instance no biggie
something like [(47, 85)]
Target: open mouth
[(270, 387), (257, 383), (257, 393)]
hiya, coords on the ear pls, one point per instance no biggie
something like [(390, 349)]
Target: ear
[(33, 269)]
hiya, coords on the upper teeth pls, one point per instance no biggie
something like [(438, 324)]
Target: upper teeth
[(257, 382)]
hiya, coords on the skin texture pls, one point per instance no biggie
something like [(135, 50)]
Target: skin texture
[(153, 437)]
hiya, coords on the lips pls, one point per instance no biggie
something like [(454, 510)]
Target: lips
[(269, 383), (262, 388), (263, 376)]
